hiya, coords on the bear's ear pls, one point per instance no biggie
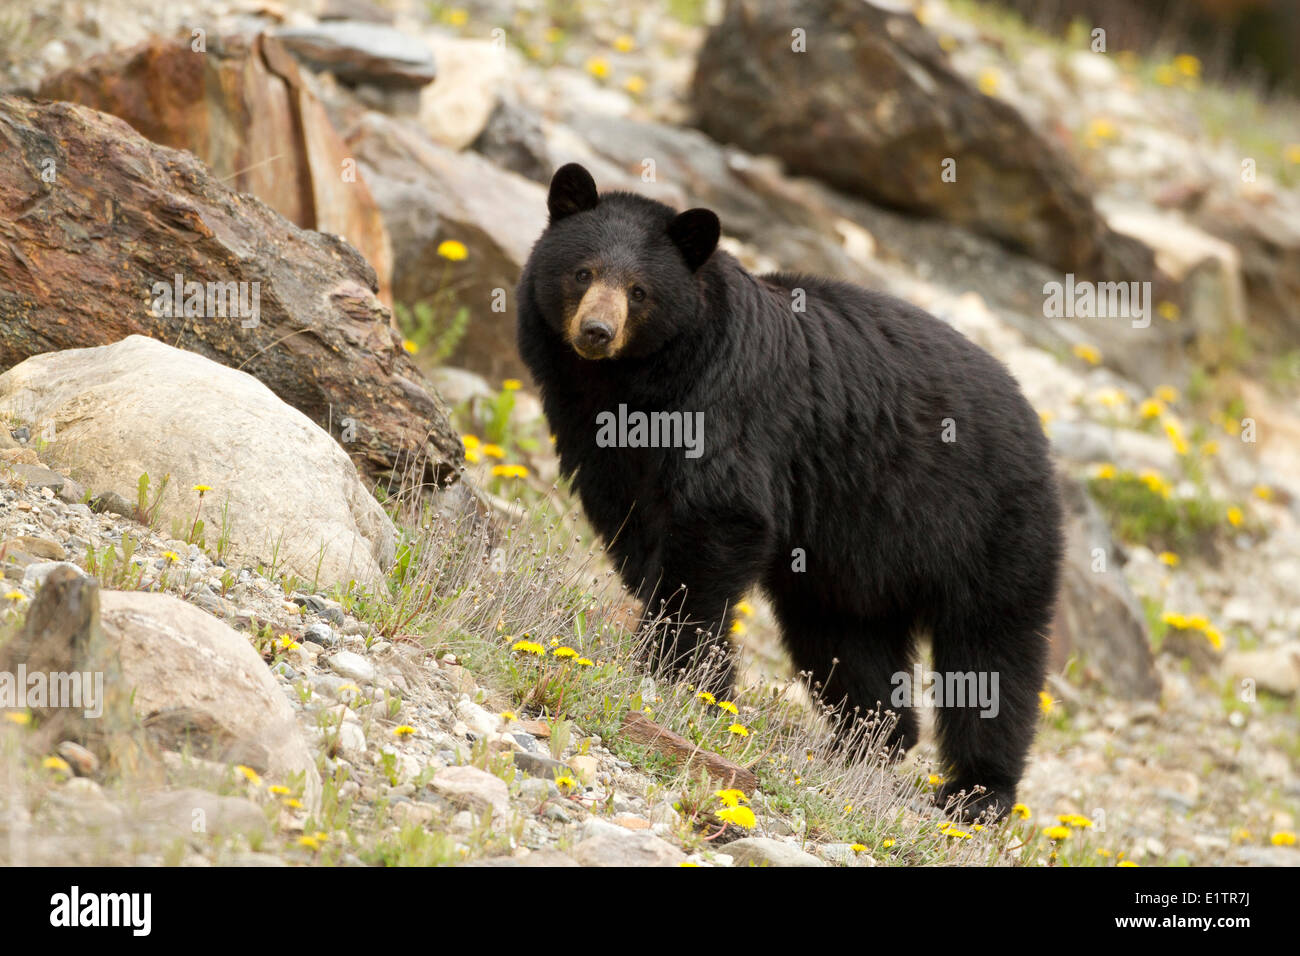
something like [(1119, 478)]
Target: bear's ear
[(572, 190), (695, 232)]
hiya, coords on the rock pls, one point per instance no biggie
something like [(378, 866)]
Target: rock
[(540, 766), (141, 406), (247, 113), (475, 789), (322, 634), (764, 851), (844, 855), (513, 138), (1264, 230), (357, 52), (35, 476), (873, 108), (181, 813), (627, 849), (1273, 669), (352, 666), (476, 718), (34, 575), (319, 337), (36, 547), (1097, 617), (178, 660), (585, 767), (430, 194), (471, 76), (85, 763)]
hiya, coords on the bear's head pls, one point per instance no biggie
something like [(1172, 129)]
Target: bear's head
[(615, 274)]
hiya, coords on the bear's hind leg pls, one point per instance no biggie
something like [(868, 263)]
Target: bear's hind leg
[(985, 741)]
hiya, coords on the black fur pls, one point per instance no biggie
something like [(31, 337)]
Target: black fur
[(823, 432)]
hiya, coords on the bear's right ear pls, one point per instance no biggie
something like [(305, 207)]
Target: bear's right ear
[(572, 190)]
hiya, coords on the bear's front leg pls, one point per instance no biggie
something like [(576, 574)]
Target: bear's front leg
[(703, 571)]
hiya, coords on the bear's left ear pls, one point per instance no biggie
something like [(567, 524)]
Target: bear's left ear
[(572, 191), (695, 232)]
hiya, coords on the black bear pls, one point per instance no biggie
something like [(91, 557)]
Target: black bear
[(877, 474)]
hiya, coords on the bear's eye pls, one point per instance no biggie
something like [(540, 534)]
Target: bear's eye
[(638, 293), (583, 276)]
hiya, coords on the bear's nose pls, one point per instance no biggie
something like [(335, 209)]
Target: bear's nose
[(595, 334)]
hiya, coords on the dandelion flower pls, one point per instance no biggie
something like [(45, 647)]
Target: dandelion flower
[(705, 696), (1057, 833), (742, 817), (1263, 492), (279, 790), (56, 763), (564, 652), (529, 647), (453, 251), (1151, 408), (1021, 811), (624, 43), (739, 730), (1045, 702), (405, 730), (745, 608), (1169, 558), (1283, 838), (585, 662), (887, 844), (858, 847), (512, 385), (1089, 353), (250, 775), (1167, 394), (1126, 863), (1235, 517), (635, 85), (598, 67), (728, 706), (732, 797), (566, 783), (493, 451)]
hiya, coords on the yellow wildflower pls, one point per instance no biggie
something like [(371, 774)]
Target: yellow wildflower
[(453, 251), (742, 817), (1089, 353)]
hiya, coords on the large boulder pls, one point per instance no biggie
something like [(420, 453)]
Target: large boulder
[(873, 108), (1098, 619), (197, 683), (113, 413), (243, 108), (97, 222)]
